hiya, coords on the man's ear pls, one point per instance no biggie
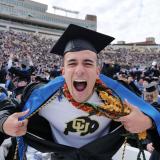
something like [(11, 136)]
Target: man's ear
[(62, 70)]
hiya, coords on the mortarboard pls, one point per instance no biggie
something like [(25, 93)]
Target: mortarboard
[(151, 87), (76, 38), (18, 91), (39, 78), (151, 93), (20, 75)]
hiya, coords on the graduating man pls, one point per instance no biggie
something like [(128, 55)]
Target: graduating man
[(67, 117)]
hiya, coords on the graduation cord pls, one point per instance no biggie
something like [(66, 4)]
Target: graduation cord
[(139, 143), (124, 148), (112, 106), (141, 150)]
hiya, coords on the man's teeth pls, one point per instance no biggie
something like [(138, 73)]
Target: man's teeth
[(80, 80)]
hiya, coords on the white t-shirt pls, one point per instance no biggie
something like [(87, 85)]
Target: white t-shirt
[(73, 127)]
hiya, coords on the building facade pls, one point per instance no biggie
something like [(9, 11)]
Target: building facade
[(29, 16)]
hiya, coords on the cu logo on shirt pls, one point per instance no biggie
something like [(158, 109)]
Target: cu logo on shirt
[(82, 125)]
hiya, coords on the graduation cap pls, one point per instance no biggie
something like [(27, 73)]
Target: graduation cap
[(76, 38), (151, 87), (151, 93), (20, 75), (39, 78), (18, 91)]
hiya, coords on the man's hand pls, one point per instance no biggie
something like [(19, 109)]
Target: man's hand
[(150, 147), (136, 121), (13, 127)]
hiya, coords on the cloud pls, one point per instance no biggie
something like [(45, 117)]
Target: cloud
[(127, 20)]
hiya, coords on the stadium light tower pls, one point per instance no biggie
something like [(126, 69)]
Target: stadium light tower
[(65, 10)]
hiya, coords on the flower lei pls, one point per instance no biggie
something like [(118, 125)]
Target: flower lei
[(111, 107)]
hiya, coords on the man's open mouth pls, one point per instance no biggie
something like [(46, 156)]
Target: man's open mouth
[(80, 85)]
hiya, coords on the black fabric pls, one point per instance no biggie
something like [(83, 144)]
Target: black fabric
[(2, 137), (132, 87), (3, 74), (104, 147), (98, 40), (43, 132), (28, 90), (11, 86), (155, 155), (154, 137), (78, 45), (108, 70), (18, 91), (22, 75), (100, 149), (12, 149), (150, 89)]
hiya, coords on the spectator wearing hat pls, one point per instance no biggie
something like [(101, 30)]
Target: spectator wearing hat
[(55, 72), (151, 96)]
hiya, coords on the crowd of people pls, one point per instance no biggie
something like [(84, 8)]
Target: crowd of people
[(20, 43), (132, 56), (25, 59)]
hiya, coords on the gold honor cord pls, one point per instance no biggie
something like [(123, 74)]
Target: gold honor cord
[(112, 108)]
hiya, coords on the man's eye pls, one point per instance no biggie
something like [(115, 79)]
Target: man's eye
[(88, 64), (71, 64)]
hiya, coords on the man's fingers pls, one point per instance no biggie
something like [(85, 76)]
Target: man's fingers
[(20, 131), (121, 119), (21, 114), (23, 123)]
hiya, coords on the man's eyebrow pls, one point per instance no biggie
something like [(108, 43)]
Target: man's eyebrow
[(85, 60), (71, 60)]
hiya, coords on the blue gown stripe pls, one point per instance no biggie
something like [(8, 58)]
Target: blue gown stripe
[(40, 95)]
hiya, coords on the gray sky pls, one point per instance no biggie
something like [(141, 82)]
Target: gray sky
[(128, 20)]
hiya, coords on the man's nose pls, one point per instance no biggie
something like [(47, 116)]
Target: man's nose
[(80, 70)]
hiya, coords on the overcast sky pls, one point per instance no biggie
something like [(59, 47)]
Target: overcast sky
[(128, 20)]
